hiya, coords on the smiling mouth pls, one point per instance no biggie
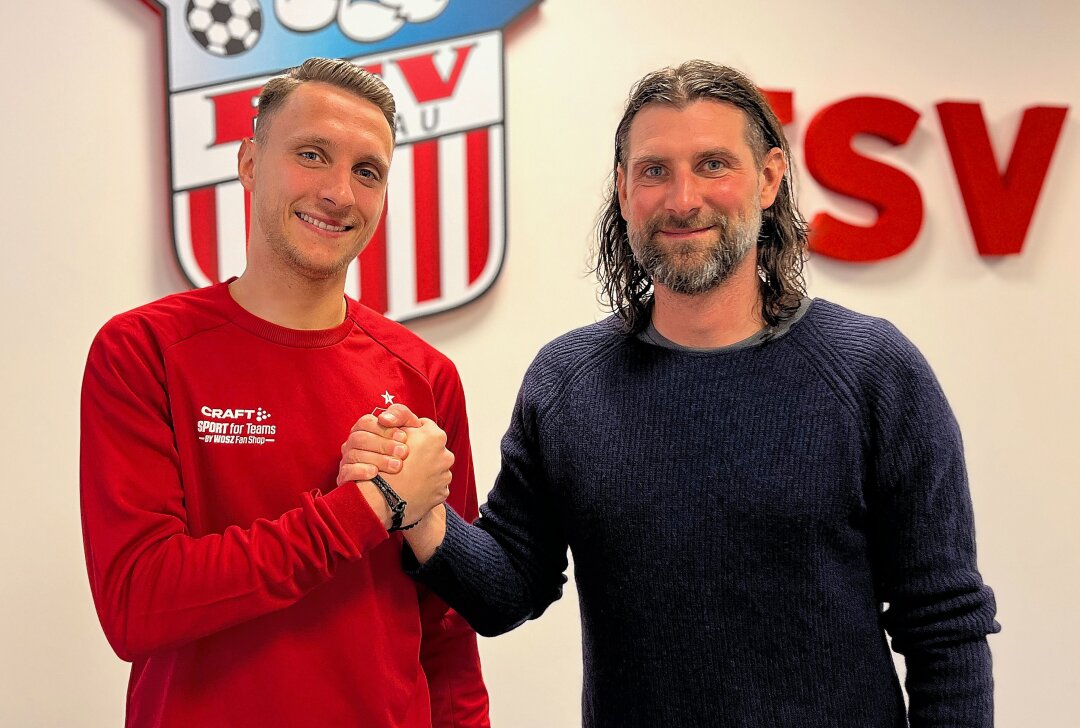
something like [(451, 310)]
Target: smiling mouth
[(683, 232), (322, 225)]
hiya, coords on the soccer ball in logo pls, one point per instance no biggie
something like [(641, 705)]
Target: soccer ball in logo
[(224, 27)]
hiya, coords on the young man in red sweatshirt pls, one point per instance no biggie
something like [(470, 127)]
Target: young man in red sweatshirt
[(245, 588)]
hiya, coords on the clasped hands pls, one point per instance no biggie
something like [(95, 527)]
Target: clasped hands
[(381, 445)]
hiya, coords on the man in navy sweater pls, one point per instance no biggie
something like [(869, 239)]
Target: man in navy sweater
[(739, 565)]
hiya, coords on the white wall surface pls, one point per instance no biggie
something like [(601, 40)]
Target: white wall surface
[(84, 186)]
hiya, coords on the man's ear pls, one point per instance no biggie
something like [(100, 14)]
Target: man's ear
[(245, 163), (772, 174)]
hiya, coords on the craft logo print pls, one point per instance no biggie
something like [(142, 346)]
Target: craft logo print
[(442, 239), (235, 426)]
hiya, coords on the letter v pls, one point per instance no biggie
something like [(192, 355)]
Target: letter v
[(1000, 207), (424, 80)]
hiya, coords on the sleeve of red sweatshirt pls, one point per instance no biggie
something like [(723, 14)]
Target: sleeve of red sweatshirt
[(154, 584), (448, 650)]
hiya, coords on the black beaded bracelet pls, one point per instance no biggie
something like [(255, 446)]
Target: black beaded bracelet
[(396, 502)]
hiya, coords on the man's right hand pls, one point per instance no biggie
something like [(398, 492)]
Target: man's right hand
[(371, 448), (377, 444)]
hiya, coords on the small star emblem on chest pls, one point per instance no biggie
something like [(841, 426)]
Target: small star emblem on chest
[(388, 399)]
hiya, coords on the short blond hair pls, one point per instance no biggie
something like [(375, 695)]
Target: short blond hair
[(336, 72)]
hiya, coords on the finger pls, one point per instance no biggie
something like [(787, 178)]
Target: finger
[(381, 463), (370, 423), (367, 422), (398, 415), (365, 466), (361, 440), (430, 428), (353, 472)]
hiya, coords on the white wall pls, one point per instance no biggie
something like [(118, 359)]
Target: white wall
[(84, 186)]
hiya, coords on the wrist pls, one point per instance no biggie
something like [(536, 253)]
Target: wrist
[(376, 502), (395, 503), (428, 535)]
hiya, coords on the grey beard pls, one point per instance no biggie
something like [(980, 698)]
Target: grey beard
[(666, 265)]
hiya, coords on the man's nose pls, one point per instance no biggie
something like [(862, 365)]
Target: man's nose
[(337, 189), (684, 195)]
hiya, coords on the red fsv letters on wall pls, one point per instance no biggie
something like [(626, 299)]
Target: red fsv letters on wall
[(999, 205)]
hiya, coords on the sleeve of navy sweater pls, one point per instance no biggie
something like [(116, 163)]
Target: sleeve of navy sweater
[(922, 538), (509, 566)]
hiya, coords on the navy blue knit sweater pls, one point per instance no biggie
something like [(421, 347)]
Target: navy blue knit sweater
[(745, 526)]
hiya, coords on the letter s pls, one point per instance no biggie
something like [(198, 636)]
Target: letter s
[(833, 162)]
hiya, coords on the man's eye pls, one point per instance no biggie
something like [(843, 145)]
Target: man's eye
[(714, 165), (653, 171), (367, 173), (310, 156)]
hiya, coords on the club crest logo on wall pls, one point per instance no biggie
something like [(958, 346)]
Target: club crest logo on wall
[(442, 240)]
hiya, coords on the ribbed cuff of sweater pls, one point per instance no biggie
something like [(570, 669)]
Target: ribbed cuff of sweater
[(355, 517), (456, 530)]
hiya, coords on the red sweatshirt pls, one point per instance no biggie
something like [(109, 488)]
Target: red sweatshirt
[(245, 589)]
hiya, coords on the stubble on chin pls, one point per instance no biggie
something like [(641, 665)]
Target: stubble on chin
[(692, 268), (294, 258)]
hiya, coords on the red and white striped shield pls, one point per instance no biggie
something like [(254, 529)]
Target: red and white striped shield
[(442, 238)]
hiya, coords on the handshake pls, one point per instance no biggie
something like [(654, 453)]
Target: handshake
[(380, 446)]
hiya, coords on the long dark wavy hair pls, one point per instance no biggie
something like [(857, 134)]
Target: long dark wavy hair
[(781, 249)]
